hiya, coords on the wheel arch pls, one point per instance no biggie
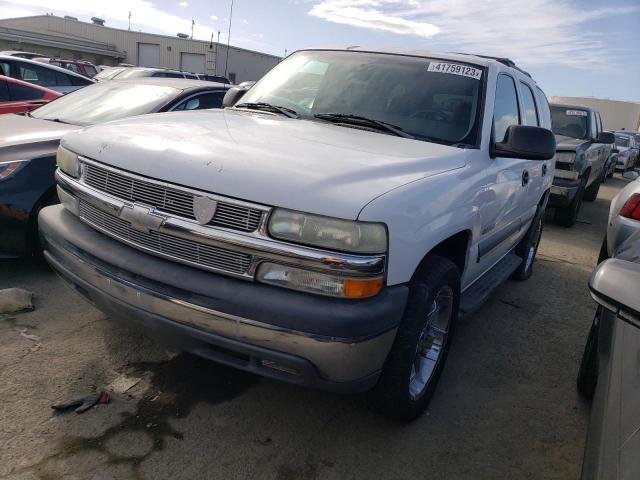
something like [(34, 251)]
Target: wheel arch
[(454, 248)]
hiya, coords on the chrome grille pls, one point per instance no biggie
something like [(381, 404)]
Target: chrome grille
[(188, 251), (170, 200)]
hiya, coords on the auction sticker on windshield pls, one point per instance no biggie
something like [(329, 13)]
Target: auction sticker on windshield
[(576, 113), (456, 69)]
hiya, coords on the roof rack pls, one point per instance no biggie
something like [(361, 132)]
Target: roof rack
[(505, 61)]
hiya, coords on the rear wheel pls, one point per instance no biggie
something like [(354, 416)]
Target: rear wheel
[(588, 373), (591, 193), (418, 354), (604, 252), (528, 248)]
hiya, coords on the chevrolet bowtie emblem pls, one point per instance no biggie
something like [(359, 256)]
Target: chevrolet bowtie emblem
[(204, 208), (141, 218)]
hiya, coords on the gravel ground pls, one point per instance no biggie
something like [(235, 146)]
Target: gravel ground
[(506, 406)]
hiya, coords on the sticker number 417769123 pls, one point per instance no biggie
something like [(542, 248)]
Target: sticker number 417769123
[(455, 69)]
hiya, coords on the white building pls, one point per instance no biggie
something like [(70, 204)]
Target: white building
[(73, 39), (615, 115)]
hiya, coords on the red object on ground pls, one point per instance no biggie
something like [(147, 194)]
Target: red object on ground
[(17, 96)]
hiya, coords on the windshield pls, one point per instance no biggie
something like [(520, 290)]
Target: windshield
[(570, 122), (106, 101), (622, 141), (133, 73), (428, 99)]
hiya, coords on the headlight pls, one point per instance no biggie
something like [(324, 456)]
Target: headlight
[(68, 162), (329, 233), (317, 282), (566, 157), (8, 169)]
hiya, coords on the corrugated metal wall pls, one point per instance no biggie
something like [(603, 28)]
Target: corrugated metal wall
[(246, 64), (615, 115)]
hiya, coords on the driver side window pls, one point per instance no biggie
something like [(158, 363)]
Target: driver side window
[(505, 110)]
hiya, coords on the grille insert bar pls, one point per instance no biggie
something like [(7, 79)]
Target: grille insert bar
[(186, 251), (169, 200)]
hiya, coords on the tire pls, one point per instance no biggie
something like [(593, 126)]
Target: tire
[(591, 193), (34, 247), (588, 374), (528, 248), (604, 252), (567, 216), (434, 297)]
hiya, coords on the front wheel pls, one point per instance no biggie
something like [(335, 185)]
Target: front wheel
[(591, 193), (567, 216), (588, 374), (418, 354)]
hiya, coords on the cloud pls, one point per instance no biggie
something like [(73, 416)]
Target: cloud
[(213, 17), (184, 4), (531, 32)]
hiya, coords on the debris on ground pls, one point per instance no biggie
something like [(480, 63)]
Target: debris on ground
[(28, 336), (123, 383), (83, 404), (14, 300)]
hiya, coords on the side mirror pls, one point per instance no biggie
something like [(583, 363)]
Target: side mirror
[(606, 137), (614, 285), (530, 143), (233, 95), (615, 150)]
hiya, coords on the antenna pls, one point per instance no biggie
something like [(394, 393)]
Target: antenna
[(193, 22), (129, 19), (226, 63)]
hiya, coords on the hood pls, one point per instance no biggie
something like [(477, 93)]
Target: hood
[(309, 166), (22, 136), (568, 143)]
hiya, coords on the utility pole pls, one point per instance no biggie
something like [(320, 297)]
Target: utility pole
[(226, 63), (215, 65), (193, 22), (129, 19)]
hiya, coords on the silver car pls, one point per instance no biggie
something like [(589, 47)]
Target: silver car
[(624, 217), (610, 369)]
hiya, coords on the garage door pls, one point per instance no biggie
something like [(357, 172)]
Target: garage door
[(192, 62), (148, 55)]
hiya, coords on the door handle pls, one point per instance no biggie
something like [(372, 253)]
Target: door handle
[(525, 178), (544, 169)]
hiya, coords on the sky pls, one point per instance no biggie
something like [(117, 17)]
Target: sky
[(571, 47)]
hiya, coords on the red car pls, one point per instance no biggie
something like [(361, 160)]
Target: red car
[(17, 96)]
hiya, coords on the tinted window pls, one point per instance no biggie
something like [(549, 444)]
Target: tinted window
[(570, 122), (431, 105), (76, 81), (529, 103), (90, 70), (173, 75), (5, 69), (505, 110), (72, 66), (106, 101), (201, 102), (545, 111), (43, 76), (23, 92), (191, 75), (4, 91)]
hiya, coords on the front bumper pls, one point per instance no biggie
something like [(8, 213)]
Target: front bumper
[(317, 341), (563, 192)]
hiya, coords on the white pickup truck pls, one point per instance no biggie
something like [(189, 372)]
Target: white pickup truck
[(328, 229)]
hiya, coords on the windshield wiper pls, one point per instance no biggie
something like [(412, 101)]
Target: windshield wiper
[(289, 112), (360, 120)]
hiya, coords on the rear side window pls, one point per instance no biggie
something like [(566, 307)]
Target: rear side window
[(529, 104), (23, 92), (5, 69), (505, 110), (42, 76), (4, 91), (545, 111)]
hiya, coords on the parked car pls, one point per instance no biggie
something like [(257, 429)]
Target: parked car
[(610, 369), (21, 54), (583, 149), (82, 67), (17, 96), (140, 72), (28, 143), (624, 217), (49, 76), (213, 78), (627, 145), (361, 200)]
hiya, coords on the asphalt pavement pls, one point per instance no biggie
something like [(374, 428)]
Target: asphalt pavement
[(506, 406)]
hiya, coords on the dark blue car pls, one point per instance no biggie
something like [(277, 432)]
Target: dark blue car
[(28, 143)]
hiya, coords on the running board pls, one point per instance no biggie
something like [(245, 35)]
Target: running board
[(478, 293)]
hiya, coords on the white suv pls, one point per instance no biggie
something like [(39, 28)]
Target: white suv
[(328, 229)]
